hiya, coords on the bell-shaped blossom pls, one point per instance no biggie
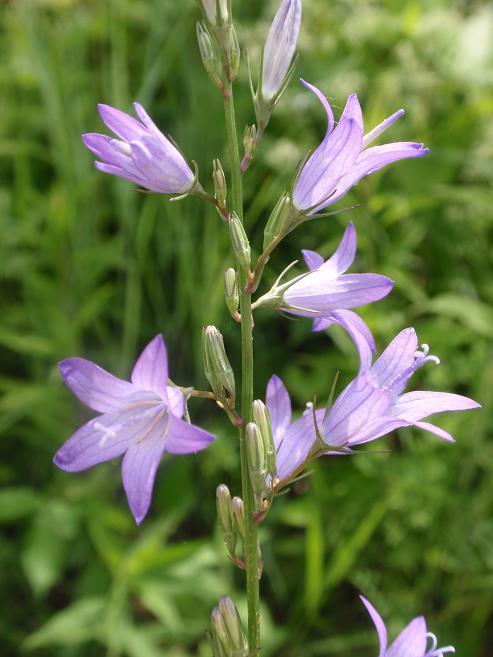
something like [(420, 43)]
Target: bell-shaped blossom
[(413, 641), (141, 153), (327, 294), (279, 48), (373, 405), (343, 159), (293, 440), (140, 419)]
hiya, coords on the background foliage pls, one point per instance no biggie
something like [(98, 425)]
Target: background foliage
[(90, 267)]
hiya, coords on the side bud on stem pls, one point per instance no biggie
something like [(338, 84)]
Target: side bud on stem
[(239, 242), (217, 368), (257, 464), (220, 187), (261, 417), (227, 636), (209, 54), (231, 293)]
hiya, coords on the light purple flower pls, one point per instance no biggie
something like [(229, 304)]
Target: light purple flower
[(140, 419), (141, 153), (413, 641), (372, 405), (293, 440), (280, 47), (327, 293), (342, 158)]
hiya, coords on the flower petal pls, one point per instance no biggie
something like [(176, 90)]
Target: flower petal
[(295, 444), (140, 464), (411, 642), (110, 150), (321, 323), (161, 172), (185, 438), (151, 369), (121, 123), (398, 357), (106, 437), (318, 293), (325, 105), (312, 259), (379, 625), (371, 160), (414, 406), (360, 334), (176, 401), (344, 255), (97, 388), (441, 433), (122, 173), (278, 403), (352, 111)]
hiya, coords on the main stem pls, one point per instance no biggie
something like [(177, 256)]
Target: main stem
[(251, 537)]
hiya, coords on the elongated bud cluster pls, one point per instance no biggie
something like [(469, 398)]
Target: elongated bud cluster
[(227, 635), (261, 417), (239, 241), (220, 186), (231, 292), (238, 511), (225, 517), (217, 368), (257, 463)]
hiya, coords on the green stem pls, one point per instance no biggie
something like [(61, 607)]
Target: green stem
[(251, 537)]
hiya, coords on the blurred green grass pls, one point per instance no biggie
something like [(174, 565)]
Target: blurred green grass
[(90, 267)]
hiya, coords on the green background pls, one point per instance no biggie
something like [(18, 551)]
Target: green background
[(90, 267)]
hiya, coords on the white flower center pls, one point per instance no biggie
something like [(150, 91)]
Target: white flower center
[(433, 651)]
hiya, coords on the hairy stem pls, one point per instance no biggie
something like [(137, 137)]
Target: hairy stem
[(251, 537)]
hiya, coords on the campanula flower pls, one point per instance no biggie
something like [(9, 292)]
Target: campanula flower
[(413, 641), (140, 419), (373, 405), (279, 49), (326, 294), (141, 153), (293, 440), (343, 159)]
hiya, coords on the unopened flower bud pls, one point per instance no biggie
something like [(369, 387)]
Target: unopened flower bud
[(277, 221), (216, 11), (219, 638), (232, 623), (238, 511), (239, 241), (279, 50), (209, 54), (231, 292), (217, 368), (220, 187), (257, 462), (261, 417), (233, 53), (225, 516), (250, 140)]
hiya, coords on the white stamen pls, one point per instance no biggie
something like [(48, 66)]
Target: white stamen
[(424, 355), (434, 651), (106, 431), (308, 408)]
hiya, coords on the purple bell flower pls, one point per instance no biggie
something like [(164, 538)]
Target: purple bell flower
[(413, 641), (342, 158), (140, 419), (279, 48), (141, 153), (326, 294), (373, 405)]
